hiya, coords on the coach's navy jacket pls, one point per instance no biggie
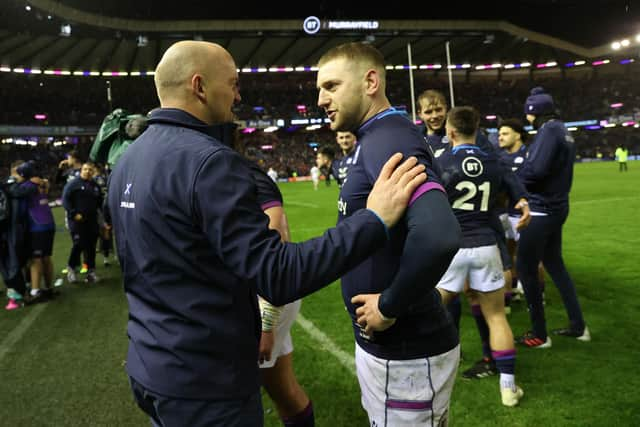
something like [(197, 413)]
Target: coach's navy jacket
[(548, 169), (82, 197), (194, 248)]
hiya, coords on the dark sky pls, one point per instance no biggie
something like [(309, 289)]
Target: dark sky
[(587, 22)]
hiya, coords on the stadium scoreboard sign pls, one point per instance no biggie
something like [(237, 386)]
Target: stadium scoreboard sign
[(313, 24)]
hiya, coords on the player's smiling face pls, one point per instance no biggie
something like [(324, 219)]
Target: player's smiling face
[(433, 115), (87, 172), (341, 92), (346, 141)]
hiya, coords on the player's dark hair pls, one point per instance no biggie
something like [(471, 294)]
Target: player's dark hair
[(464, 119), (516, 125), (328, 151)]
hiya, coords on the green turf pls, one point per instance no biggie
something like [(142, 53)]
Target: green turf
[(66, 370)]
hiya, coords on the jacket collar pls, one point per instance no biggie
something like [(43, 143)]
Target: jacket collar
[(177, 117)]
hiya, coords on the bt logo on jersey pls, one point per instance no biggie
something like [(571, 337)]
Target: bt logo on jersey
[(472, 167)]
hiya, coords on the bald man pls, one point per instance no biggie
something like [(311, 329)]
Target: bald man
[(195, 248)]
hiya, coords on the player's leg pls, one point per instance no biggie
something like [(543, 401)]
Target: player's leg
[(278, 377), (452, 281), (486, 366), (47, 268), (35, 269), (90, 239), (487, 281), (36, 272), (106, 244), (293, 404), (76, 250), (502, 345), (505, 259)]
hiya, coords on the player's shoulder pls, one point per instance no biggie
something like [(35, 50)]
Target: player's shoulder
[(392, 137)]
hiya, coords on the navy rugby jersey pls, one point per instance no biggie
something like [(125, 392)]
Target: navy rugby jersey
[(473, 178), (514, 161), (439, 142), (340, 168), (548, 169), (267, 192), (426, 330)]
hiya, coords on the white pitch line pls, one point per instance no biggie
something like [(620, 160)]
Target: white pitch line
[(345, 359), (16, 334), (610, 199)]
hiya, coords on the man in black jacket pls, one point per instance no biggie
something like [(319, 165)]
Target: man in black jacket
[(547, 173), (82, 200), (195, 248)]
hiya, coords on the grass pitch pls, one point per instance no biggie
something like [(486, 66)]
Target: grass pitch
[(61, 363)]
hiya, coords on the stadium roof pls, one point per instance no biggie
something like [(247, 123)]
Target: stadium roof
[(124, 35)]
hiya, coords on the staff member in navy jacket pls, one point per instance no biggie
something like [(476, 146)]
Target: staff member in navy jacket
[(547, 173), (82, 199), (195, 248)]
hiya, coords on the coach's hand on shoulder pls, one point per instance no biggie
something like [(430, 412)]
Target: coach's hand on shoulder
[(368, 314), (393, 188)]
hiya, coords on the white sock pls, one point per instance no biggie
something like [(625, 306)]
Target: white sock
[(35, 292), (508, 381)]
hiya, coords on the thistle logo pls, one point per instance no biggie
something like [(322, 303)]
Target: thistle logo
[(311, 25)]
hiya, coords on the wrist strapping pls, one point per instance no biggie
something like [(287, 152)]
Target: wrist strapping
[(269, 314)]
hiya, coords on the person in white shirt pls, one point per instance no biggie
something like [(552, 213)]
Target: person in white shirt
[(273, 174), (315, 176)]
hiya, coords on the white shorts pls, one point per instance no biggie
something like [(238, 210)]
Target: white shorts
[(513, 233), (282, 340), (404, 393), (481, 265)]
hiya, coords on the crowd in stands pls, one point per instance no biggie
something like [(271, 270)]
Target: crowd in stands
[(82, 101), (71, 100)]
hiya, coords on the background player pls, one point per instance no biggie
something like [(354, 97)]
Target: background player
[(473, 178)]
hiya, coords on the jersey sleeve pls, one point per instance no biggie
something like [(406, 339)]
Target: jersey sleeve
[(268, 194), (390, 140)]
